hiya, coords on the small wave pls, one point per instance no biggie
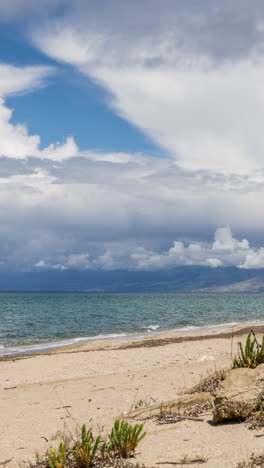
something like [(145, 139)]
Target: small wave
[(146, 330), (112, 335), (48, 345), (186, 329), (211, 327), (150, 328), (220, 325)]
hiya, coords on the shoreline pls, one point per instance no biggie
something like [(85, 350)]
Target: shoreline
[(146, 341), (51, 393)]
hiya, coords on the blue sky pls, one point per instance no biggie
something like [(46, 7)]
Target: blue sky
[(131, 134), (77, 104)]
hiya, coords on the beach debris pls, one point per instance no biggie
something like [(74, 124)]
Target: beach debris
[(256, 421), (170, 418), (181, 404), (63, 407), (6, 461), (253, 461), (111, 463), (145, 403), (185, 461), (190, 413), (210, 382), (238, 395)]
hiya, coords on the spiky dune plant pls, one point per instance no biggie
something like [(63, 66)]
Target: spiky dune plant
[(252, 354), (90, 452), (124, 438), (85, 450), (57, 459)]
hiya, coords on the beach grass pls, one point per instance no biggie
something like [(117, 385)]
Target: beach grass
[(252, 354), (88, 451)]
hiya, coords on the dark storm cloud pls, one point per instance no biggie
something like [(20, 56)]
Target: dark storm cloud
[(226, 29)]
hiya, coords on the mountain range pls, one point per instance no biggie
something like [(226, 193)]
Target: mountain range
[(180, 279)]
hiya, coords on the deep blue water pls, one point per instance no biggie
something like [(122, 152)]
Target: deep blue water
[(45, 320)]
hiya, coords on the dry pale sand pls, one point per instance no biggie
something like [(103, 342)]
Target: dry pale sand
[(96, 382)]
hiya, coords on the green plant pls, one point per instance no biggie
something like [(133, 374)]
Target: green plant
[(124, 438), (85, 450), (57, 459), (252, 354)]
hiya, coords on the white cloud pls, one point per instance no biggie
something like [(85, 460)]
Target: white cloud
[(107, 262), (226, 250), (224, 241), (207, 113), (18, 80), (48, 266), (70, 46), (254, 259), (123, 211), (81, 261), (58, 152), (15, 140)]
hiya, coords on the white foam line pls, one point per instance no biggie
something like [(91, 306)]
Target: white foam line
[(46, 346)]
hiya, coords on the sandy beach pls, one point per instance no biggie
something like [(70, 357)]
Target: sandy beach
[(96, 382)]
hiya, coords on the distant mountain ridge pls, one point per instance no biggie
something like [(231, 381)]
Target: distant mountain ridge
[(180, 279), (251, 285)]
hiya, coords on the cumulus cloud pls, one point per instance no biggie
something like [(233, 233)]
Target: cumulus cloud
[(183, 78), (15, 140), (226, 250), (110, 211), (42, 264)]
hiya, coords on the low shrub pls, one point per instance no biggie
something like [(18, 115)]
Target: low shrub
[(252, 354), (124, 438), (90, 452), (85, 450), (58, 459)]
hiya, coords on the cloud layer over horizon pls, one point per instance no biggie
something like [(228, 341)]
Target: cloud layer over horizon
[(224, 251)]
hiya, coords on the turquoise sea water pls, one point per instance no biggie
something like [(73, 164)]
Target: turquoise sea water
[(36, 321)]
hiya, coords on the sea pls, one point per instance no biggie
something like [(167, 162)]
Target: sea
[(34, 322)]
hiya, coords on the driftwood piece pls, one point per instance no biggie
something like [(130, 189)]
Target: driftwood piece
[(179, 405)]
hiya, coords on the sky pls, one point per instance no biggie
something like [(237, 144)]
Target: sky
[(131, 134)]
